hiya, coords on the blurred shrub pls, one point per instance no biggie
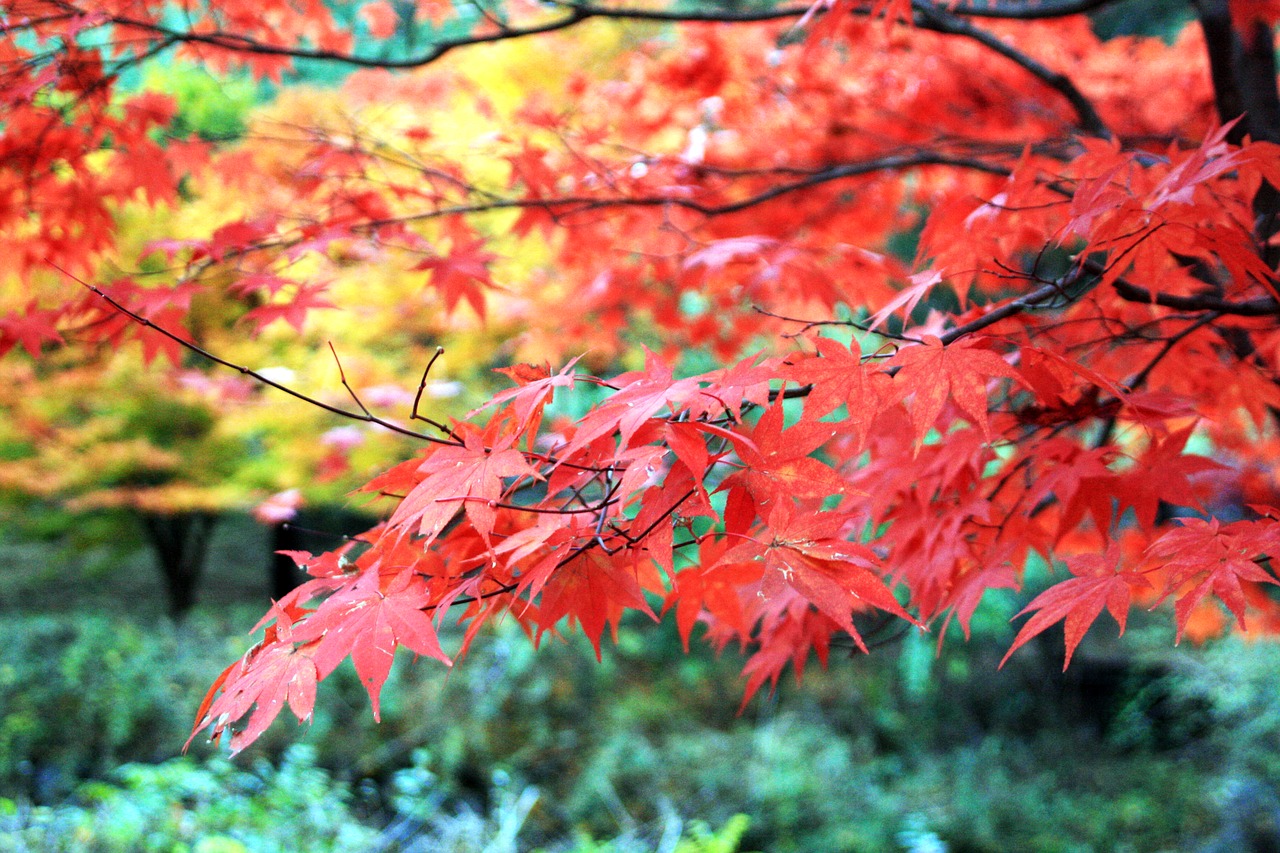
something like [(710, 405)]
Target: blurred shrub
[(216, 807), (83, 694), (211, 107), (210, 808), (550, 750)]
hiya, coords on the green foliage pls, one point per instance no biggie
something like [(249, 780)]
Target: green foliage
[(1163, 18), (211, 107), (81, 695), (1236, 679), (700, 838), (217, 807), (703, 840), (165, 421), (548, 750), (213, 807)]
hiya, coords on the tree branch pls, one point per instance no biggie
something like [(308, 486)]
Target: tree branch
[(1263, 306), (934, 18), (1021, 10), (364, 416), (577, 13), (568, 205)]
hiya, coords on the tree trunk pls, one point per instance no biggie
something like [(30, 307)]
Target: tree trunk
[(180, 542), (284, 571), (1243, 67)]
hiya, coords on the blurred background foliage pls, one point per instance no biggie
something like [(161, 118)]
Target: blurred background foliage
[(1137, 747)]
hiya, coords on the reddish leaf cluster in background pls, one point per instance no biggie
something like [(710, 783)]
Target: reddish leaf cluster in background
[(1093, 292)]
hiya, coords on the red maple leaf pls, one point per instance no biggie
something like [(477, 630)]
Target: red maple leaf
[(31, 328), (536, 387), (1167, 474), (368, 620), (593, 588), (728, 390), (1099, 582), (1205, 556), (712, 587), (239, 236), (778, 467), (640, 396), (838, 378), (461, 274), (810, 554), (294, 311), (468, 478), (931, 372), (909, 297), (272, 674)]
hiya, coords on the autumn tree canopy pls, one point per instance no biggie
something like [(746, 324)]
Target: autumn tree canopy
[(901, 293)]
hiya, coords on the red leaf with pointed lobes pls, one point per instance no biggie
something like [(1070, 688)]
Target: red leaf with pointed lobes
[(729, 389), (921, 284), (687, 443), (467, 478), (31, 328), (1054, 379), (368, 621), (281, 674), (777, 465), (266, 282), (641, 395), (839, 378), (239, 236), (1215, 558), (808, 552), (306, 298), (272, 674), (1099, 582), (1077, 478), (717, 255), (789, 640), (1166, 474), (536, 388), (679, 496), (931, 373), (969, 591), (593, 589), (713, 588), (462, 274)]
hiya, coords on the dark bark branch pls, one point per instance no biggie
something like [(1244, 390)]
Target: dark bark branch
[(1243, 72), (1263, 306), (203, 353), (1092, 123), (1221, 43), (1243, 67), (1021, 10), (576, 13), (569, 205), (1035, 299), (1256, 69)]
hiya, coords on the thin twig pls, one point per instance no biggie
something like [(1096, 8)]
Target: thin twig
[(253, 374)]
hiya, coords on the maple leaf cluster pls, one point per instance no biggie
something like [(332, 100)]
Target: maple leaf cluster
[(981, 286)]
